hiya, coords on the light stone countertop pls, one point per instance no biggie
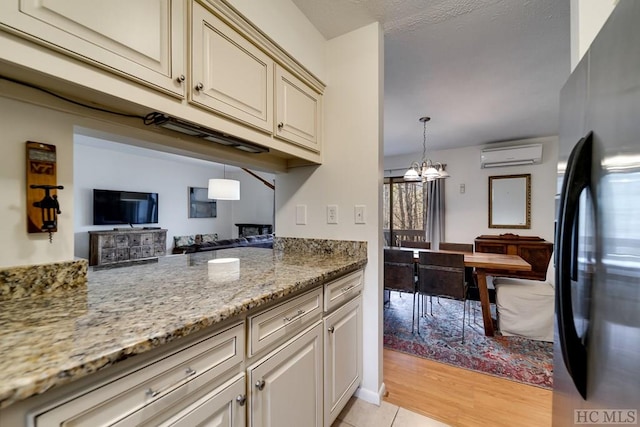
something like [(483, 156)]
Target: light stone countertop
[(50, 340)]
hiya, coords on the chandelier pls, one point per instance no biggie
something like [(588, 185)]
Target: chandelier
[(426, 170)]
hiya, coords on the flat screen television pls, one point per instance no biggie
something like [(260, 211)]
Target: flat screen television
[(124, 207)]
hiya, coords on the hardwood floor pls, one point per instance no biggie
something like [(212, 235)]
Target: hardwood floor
[(460, 397)]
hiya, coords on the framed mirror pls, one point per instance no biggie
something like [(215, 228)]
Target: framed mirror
[(510, 201)]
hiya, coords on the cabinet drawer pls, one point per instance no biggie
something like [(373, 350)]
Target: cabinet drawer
[(146, 239), (342, 290), (149, 389), (122, 241), (122, 254), (135, 239), (106, 242), (107, 256), (281, 321), (135, 252)]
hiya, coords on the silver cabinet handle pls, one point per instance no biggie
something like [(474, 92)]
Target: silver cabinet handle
[(199, 86), (295, 316), (180, 78), (260, 384), (241, 399), (347, 288), (153, 393), (331, 329)]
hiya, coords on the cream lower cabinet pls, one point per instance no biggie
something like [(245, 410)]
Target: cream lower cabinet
[(229, 74), (285, 387), (342, 357), (170, 388), (342, 342), (143, 40), (223, 407)]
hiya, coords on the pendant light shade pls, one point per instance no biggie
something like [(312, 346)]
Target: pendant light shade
[(412, 176), (224, 189)]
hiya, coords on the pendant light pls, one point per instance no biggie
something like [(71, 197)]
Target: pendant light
[(224, 189), (425, 170)]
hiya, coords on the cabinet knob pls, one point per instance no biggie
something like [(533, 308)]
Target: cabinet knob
[(241, 399), (199, 86), (280, 126), (260, 384), (331, 329), (180, 78)]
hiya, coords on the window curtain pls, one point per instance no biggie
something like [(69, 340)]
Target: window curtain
[(435, 212)]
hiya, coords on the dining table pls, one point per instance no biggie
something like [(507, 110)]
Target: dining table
[(482, 262)]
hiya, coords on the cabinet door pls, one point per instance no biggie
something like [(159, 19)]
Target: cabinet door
[(223, 407), (342, 357), (230, 75), (285, 388), (298, 111), (143, 39)]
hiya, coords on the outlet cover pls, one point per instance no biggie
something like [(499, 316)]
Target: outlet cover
[(301, 214), (332, 214), (360, 212)]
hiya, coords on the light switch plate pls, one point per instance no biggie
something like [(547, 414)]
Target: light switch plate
[(332, 214), (360, 212), (301, 214)]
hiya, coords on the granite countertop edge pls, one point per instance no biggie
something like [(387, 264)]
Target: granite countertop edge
[(29, 384)]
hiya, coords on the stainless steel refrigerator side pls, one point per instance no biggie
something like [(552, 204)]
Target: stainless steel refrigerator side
[(614, 113), (605, 90), (573, 102)]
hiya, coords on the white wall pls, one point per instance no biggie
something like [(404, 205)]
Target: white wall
[(257, 201), (21, 122), (352, 153), (124, 167), (351, 174), (286, 25), (587, 18), (467, 214)]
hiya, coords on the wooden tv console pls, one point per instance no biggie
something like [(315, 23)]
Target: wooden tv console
[(122, 246)]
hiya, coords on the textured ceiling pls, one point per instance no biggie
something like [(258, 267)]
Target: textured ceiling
[(483, 70)]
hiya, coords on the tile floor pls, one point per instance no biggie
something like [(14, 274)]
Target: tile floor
[(359, 413)]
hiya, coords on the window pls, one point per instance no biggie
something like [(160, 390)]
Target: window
[(404, 211)]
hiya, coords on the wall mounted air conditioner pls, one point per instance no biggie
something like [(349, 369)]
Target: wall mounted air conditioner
[(511, 156)]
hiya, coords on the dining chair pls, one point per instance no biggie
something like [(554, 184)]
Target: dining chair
[(460, 247), (415, 245), (472, 293), (442, 275), (399, 275)]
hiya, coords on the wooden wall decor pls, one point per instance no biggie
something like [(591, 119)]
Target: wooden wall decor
[(42, 198)]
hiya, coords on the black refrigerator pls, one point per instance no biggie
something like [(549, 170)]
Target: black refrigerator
[(597, 256)]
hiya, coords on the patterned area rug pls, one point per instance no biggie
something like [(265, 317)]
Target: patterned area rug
[(518, 359)]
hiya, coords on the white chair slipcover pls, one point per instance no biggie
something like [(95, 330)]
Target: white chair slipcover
[(526, 307)]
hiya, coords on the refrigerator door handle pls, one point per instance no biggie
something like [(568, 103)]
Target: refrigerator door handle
[(577, 178)]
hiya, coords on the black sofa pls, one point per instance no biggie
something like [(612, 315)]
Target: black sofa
[(200, 245)]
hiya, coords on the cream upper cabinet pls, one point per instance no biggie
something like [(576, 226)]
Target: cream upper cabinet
[(230, 75), (142, 40), (285, 387), (298, 111)]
